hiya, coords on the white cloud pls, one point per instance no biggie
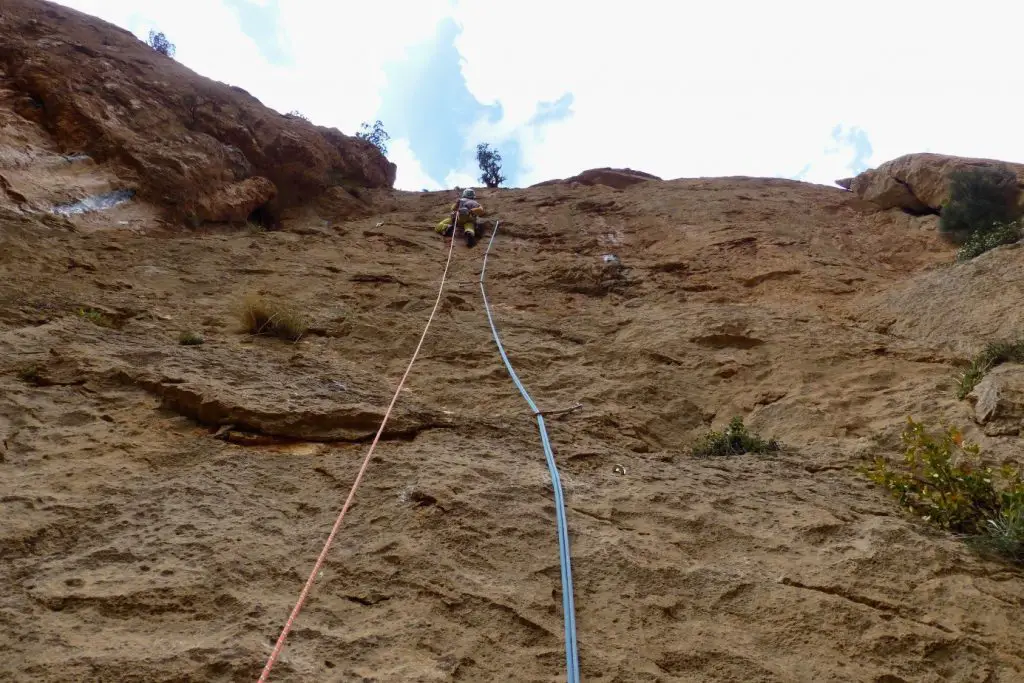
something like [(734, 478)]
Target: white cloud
[(411, 175), (736, 87), (337, 50), (463, 178), (340, 48), (731, 87)]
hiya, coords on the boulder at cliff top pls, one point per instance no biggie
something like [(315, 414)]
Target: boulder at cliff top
[(619, 178), (184, 142), (918, 183)]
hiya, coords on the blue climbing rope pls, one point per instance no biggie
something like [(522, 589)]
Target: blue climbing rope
[(568, 605)]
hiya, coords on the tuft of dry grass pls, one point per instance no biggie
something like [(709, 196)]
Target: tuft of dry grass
[(992, 355), (31, 374), (96, 317), (190, 338), (260, 316)]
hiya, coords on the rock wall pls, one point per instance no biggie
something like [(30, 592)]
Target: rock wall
[(918, 183), (196, 147), (619, 178)]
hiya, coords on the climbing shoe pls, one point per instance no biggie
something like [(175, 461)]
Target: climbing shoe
[(470, 239)]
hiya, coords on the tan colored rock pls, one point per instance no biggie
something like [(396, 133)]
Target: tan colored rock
[(999, 400), (234, 203), (918, 182), (124, 513), (179, 493), (308, 416), (181, 140), (619, 178), (887, 192)]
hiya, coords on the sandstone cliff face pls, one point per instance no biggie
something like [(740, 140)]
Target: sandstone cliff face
[(183, 142), (775, 300), (161, 504), (999, 401), (618, 178), (917, 183)]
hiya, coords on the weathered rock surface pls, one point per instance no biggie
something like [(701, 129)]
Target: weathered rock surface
[(999, 400), (144, 540), (918, 183), (822, 325), (234, 203), (619, 178), (954, 309), (184, 142)]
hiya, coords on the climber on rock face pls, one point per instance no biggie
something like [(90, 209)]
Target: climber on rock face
[(468, 210)]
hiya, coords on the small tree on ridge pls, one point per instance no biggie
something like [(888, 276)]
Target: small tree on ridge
[(159, 42), (376, 136), (490, 165)]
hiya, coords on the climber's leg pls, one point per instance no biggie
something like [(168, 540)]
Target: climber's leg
[(444, 227)]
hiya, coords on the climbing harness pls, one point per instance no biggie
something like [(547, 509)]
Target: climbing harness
[(279, 646), (568, 606)]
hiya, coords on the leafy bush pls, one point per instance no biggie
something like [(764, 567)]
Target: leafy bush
[(189, 338), (992, 355), (376, 136), (984, 240), (160, 43), (31, 374), (96, 317), (262, 317), (735, 440), (295, 113), (943, 480), (979, 200), (490, 165)]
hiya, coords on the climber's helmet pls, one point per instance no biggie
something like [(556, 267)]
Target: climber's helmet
[(468, 193)]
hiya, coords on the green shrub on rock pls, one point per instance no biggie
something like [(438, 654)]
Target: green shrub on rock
[(985, 240), (944, 481), (982, 207), (735, 440)]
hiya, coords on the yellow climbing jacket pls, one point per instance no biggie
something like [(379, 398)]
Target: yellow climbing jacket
[(469, 210)]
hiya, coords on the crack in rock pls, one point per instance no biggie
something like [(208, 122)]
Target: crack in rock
[(351, 422), (871, 603)]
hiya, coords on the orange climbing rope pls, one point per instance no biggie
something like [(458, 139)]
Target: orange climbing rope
[(279, 646)]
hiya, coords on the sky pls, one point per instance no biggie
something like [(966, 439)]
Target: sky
[(806, 89)]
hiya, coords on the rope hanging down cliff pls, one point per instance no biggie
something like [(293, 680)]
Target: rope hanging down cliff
[(279, 646), (572, 658), (568, 604)]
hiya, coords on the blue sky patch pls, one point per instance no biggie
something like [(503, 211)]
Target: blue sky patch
[(426, 102), (260, 24), (857, 138), (549, 112)]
